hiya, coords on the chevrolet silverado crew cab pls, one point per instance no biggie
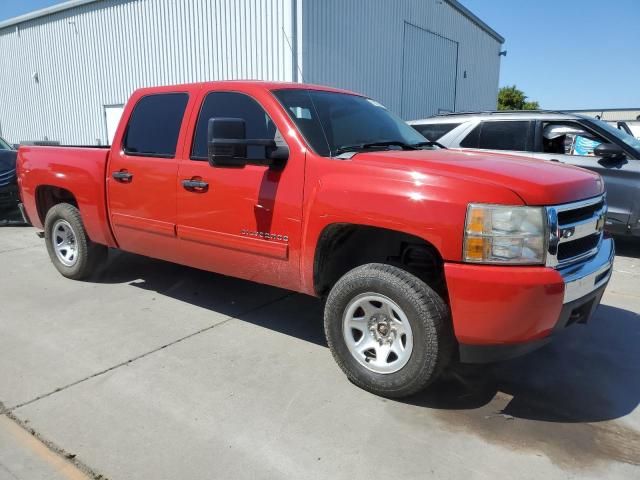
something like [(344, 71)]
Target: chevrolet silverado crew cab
[(424, 255)]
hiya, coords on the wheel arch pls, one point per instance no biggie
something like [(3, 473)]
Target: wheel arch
[(344, 246), (47, 196)]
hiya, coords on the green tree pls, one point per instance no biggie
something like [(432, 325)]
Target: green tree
[(511, 98)]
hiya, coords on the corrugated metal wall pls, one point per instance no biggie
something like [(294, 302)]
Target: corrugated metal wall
[(97, 54), (429, 72), (359, 45)]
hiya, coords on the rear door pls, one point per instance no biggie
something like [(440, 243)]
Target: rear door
[(244, 222), (502, 136), (141, 180), (573, 143)]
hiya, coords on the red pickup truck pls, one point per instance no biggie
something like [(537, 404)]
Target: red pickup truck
[(424, 256)]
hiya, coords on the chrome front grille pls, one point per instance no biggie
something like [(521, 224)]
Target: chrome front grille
[(575, 231)]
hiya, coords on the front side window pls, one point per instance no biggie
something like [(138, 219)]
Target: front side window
[(332, 121), (154, 125), (435, 131), (233, 105), (630, 140), (569, 138), (4, 145), (499, 135)]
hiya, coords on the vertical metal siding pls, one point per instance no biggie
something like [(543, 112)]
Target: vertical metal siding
[(429, 72), (359, 45), (97, 54)]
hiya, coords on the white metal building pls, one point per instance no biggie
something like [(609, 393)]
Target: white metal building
[(65, 71)]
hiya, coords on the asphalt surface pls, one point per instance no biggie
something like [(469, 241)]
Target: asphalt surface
[(157, 371)]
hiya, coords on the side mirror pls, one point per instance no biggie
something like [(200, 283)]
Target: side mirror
[(227, 145), (609, 151), (16, 146)]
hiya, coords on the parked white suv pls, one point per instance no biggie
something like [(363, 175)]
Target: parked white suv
[(553, 136)]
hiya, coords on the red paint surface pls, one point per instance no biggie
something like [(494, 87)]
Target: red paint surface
[(498, 305)]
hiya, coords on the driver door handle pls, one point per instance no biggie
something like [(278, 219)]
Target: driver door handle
[(195, 185), (122, 176)]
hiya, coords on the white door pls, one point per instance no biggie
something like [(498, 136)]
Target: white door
[(112, 114)]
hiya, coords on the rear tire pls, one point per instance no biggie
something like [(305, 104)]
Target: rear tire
[(68, 245), (388, 330)]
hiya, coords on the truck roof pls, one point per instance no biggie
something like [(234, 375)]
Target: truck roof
[(245, 85)]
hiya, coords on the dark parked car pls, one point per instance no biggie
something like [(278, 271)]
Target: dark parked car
[(8, 181)]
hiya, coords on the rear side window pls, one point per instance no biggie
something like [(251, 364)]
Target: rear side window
[(435, 131), (502, 135), (233, 105), (155, 124)]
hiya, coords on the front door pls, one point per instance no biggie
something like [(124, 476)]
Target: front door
[(244, 222), (573, 143), (141, 180)]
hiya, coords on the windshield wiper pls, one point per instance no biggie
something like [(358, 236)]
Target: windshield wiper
[(428, 144), (373, 145)]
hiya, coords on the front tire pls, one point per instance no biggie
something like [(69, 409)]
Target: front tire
[(71, 251), (388, 330)]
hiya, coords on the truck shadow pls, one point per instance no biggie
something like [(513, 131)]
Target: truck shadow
[(589, 373)]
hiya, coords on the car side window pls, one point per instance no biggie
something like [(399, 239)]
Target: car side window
[(435, 131), (499, 135), (233, 105), (154, 125), (472, 138), (569, 138)]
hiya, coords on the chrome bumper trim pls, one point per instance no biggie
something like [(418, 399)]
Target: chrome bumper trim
[(580, 280)]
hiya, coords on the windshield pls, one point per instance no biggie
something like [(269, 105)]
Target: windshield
[(625, 137), (333, 122), (4, 145)]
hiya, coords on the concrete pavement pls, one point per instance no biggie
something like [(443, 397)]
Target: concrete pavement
[(154, 370)]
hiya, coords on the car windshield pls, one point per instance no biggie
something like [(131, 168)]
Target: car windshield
[(333, 123), (621, 135), (4, 145)]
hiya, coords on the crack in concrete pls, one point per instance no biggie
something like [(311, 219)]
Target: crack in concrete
[(7, 410), (18, 249), (61, 452)]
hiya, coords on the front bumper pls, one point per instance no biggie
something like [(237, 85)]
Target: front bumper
[(502, 312), (9, 195)]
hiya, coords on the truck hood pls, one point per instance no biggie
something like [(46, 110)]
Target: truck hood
[(537, 182)]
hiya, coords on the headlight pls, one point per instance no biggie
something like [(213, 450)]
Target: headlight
[(507, 235)]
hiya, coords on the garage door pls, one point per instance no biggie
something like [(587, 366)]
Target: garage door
[(429, 73)]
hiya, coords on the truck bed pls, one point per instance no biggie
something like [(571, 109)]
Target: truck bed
[(74, 171)]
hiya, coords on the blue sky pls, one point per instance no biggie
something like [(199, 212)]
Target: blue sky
[(568, 53), (563, 53)]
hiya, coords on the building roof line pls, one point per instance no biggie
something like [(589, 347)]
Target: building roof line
[(43, 12), (61, 7), (475, 19)]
